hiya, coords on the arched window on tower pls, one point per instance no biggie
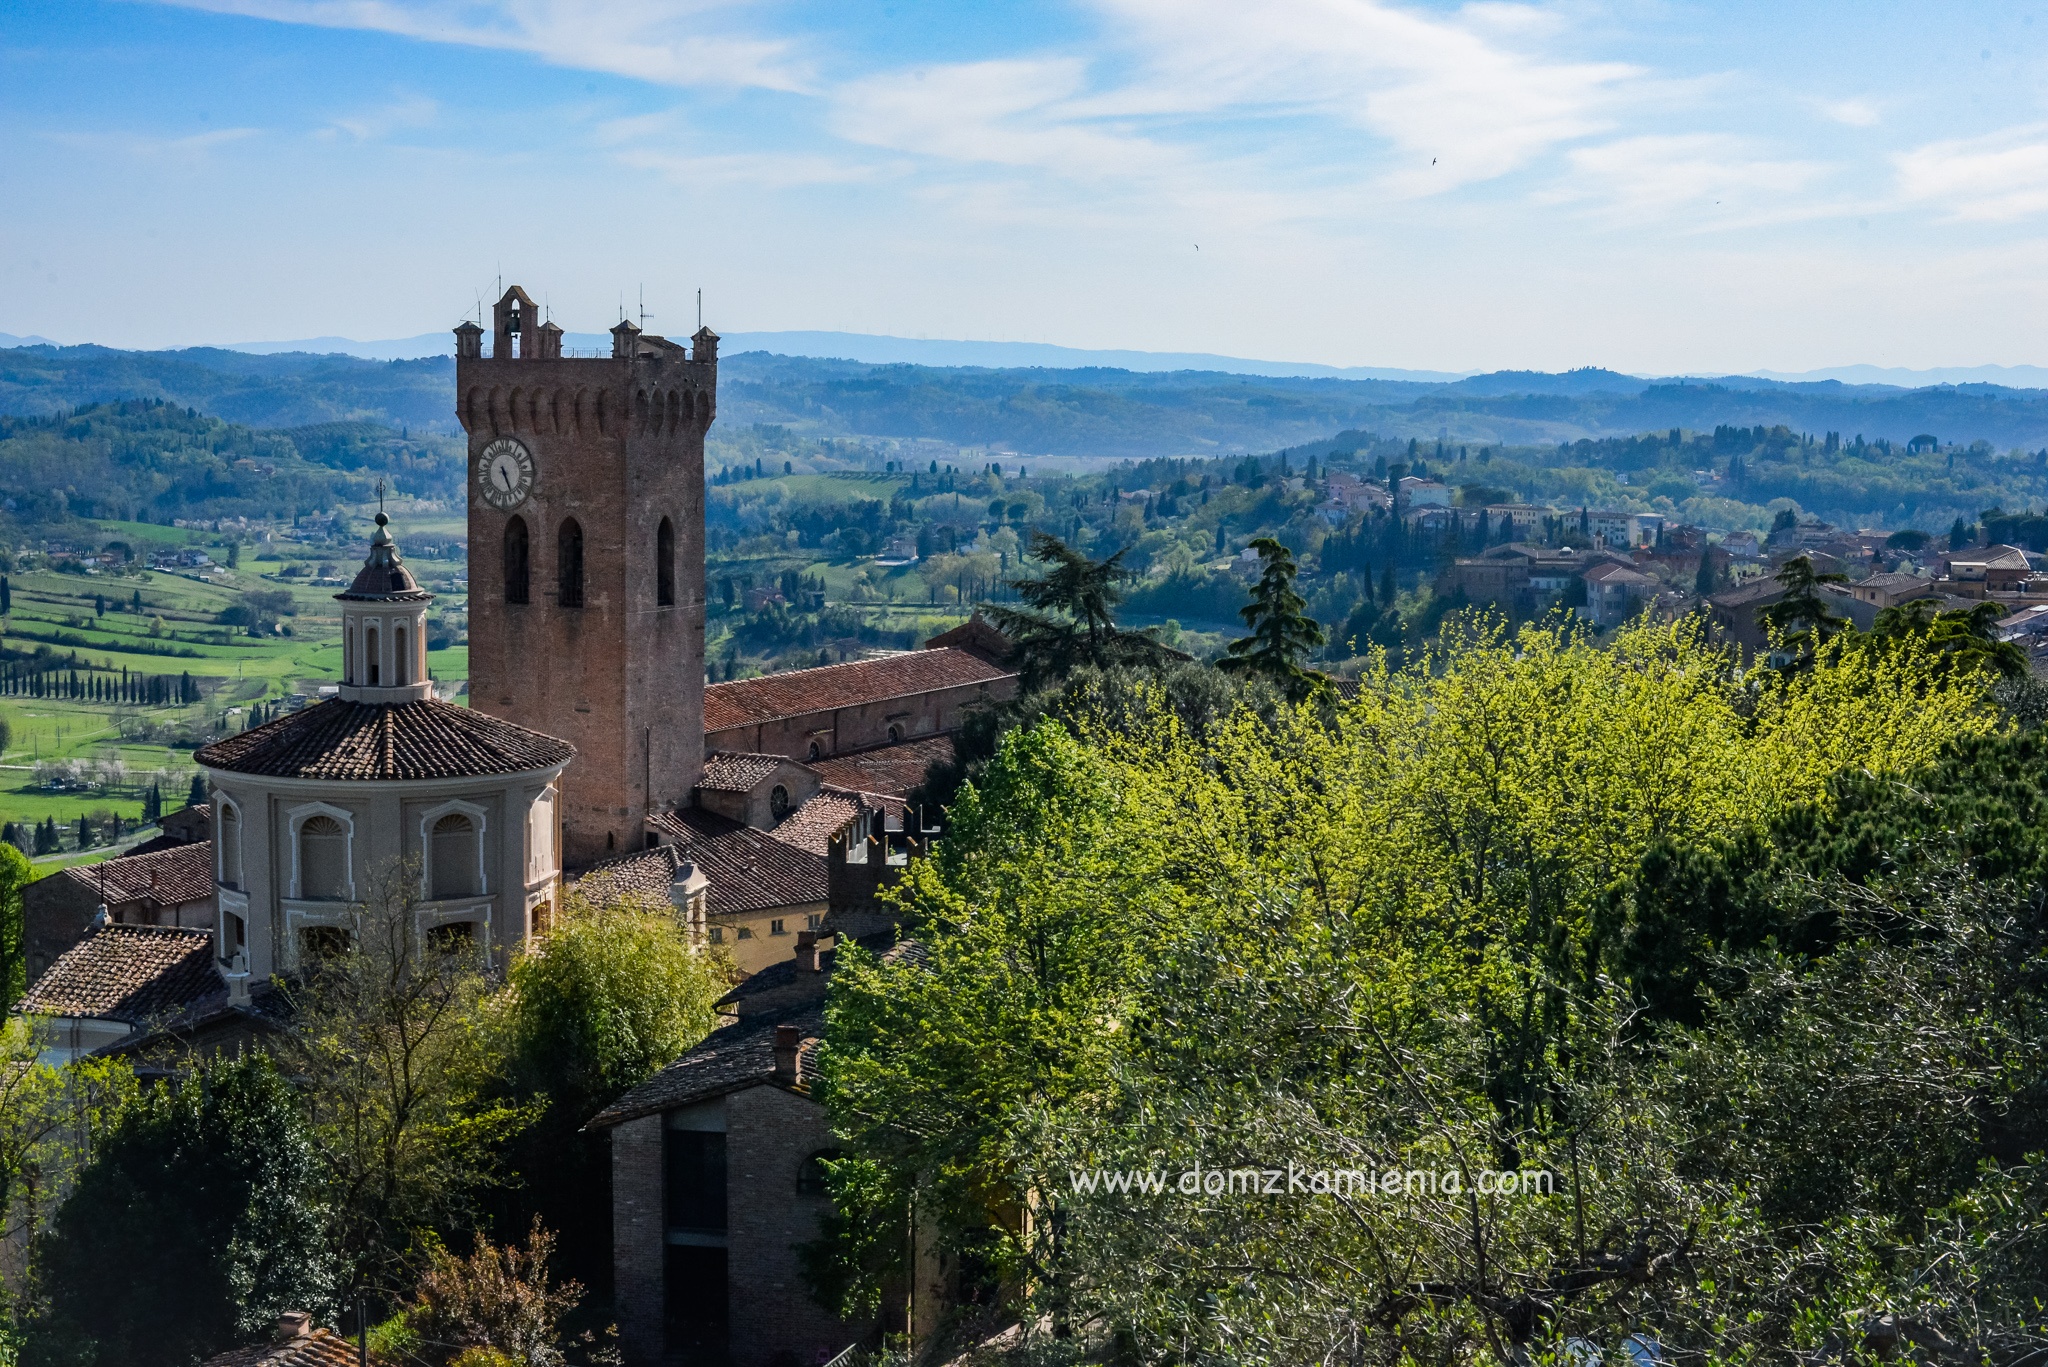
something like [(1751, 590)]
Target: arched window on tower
[(455, 857), (665, 564), (401, 663), (518, 575), (374, 674), (323, 859), (569, 564)]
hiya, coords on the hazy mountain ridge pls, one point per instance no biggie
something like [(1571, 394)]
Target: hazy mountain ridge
[(1093, 411)]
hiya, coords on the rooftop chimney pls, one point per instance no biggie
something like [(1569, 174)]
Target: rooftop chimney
[(293, 1324), (807, 958), (788, 1067)]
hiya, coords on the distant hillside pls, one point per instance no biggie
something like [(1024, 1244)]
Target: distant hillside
[(1103, 412), (292, 390), (149, 461)]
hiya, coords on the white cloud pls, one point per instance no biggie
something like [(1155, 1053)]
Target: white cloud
[(1992, 179), (370, 125), (1714, 180), (1855, 112), (666, 42), (190, 148), (767, 170)]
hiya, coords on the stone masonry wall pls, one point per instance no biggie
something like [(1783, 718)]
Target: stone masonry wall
[(639, 1239)]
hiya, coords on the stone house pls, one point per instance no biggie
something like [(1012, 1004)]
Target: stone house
[(120, 981), (716, 1183), (1889, 590), (811, 714), (168, 887)]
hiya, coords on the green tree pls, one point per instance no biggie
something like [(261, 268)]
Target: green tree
[(195, 796), (1964, 639), (398, 1081), (616, 993), (1282, 634), (204, 1194), (16, 873), (1802, 618), (1069, 617), (1704, 578), (6, 596)]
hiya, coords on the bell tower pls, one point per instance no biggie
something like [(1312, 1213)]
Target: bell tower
[(586, 558)]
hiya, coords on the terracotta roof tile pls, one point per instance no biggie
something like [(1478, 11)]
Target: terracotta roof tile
[(750, 871), (127, 973), (339, 739), (894, 770), (811, 827), (798, 692), (166, 877), (729, 771), (729, 1058)]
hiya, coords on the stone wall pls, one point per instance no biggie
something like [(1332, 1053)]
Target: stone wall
[(639, 1240)]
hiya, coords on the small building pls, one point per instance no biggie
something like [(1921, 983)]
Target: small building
[(717, 1182), (166, 887), (810, 714), (1993, 569), (118, 982), (1732, 614), (1889, 590), (1615, 593), (1423, 493)]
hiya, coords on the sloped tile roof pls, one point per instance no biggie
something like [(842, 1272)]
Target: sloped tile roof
[(810, 828), (729, 1058), (167, 877), (750, 871), (894, 770), (127, 973), (730, 771), (321, 1348), (799, 692), (338, 739)]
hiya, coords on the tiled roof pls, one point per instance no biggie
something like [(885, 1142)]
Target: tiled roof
[(1617, 574), (1993, 557), (1888, 582), (339, 739), (127, 973), (384, 577), (749, 871), (167, 877), (799, 692), (810, 828), (1754, 592), (892, 769), (321, 1348), (729, 771), (734, 1056)]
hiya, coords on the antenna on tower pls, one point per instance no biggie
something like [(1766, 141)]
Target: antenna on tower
[(700, 308), (644, 314)]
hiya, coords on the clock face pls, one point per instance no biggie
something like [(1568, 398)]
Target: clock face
[(504, 473)]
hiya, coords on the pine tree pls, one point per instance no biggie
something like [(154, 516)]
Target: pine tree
[(1282, 635), (84, 832), (196, 797)]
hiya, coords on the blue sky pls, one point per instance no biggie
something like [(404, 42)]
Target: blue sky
[(1651, 186)]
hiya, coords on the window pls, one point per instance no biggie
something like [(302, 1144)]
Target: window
[(775, 927), (453, 937), (400, 673), (814, 751), (813, 921), (665, 564), (895, 734), (370, 653), (746, 932), (323, 942), (518, 575), (454, 857), (810, 1174), (323, 859), (230, 845), (717, 935), (569, 564), (235, 935), (693, 1186), (543, 917), (778, 802)]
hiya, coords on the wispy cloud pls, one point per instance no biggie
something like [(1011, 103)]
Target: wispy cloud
[(1993, 179), (1713, 180), (192, 147), (667, 42), (371, 125), (1855, 112)]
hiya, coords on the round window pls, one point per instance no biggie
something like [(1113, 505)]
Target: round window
[(778, 802), (814, 750)]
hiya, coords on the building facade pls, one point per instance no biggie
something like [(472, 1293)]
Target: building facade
[(586, 534)]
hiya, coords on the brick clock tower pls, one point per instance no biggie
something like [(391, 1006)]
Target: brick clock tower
[(586, 558)]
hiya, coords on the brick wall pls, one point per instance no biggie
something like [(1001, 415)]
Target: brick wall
[(638, 1238), (775, 1322)]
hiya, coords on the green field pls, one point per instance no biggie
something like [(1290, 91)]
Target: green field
[(68, 756)]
